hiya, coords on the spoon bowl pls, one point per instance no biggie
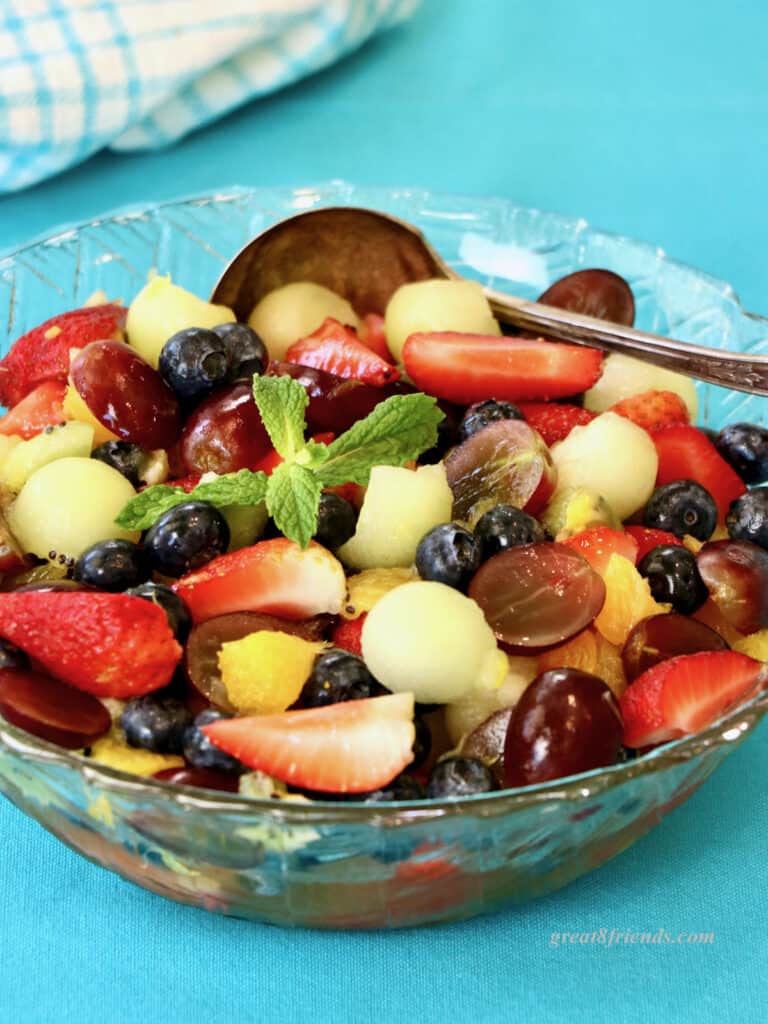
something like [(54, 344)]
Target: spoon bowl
[(365, 256)]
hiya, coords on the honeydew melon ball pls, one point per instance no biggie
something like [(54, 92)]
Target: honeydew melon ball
[(68, 505), (612, 456), (161, 309), (624, 376), (294, 311), (399, 507), (463, 716), (436, 305), (429, 639)]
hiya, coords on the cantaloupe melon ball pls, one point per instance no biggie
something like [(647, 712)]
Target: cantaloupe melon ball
[(161, 309), (429, 639), (438, 305), (294, 311), (69, 504), (612, 456), (624, 376)]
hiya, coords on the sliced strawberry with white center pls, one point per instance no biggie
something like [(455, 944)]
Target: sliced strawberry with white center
[(353, 747), (274, 576), (337, 349), (467, 368), (686, 694)]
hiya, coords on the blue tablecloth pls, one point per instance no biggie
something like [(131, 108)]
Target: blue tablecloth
[(648, 120)]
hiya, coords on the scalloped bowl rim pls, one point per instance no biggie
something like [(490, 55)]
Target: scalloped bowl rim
[(729, 728)]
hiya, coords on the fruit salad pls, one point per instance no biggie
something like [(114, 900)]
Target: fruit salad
[(330, 555)]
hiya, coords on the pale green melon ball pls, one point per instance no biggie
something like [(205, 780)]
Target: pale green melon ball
[(68, 505), (296, 310), (430, 639), (161, 309), (437, 305)]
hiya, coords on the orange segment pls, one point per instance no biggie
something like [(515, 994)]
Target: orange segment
[(627, 600), (588, 651)]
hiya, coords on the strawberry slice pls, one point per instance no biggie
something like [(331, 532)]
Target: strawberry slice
[(653, 410), (43, 353), (599, 543), (348, 635), (553, 421), (337, 349), (41, 408), (373, 336), (466, 368), (686, 694), (646, 539), (686, 453), (352, 747), (111, 645), (274, 576)]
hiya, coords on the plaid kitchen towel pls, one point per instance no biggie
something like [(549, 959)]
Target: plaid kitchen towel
[(78, 75)]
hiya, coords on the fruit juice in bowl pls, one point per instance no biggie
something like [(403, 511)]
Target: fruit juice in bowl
[(376, 620)]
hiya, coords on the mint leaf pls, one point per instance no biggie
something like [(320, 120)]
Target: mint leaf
[(241, 488), (293, 498), (396, 431), (281, 402), (142, 511)]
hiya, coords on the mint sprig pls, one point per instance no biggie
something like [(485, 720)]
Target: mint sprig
[(395, 432)]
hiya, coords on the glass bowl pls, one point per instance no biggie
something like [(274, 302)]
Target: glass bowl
[(336, 865)]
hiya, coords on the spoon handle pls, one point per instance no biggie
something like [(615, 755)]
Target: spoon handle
[(735, 370)]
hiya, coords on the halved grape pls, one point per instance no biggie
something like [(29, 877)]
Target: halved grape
[(50, 709), (599, 293), (225, 432), (736, 575), (660, 637), (538, 594), (505, 463), (486, 742), (205, 642), (567, 721), (125, 394), (202, 778)]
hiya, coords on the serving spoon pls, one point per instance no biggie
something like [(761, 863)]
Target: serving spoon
[(366, 256)]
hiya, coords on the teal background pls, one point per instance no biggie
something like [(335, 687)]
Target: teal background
[(649, 120)]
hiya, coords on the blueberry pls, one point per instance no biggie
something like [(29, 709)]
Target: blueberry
[(112, 565), (682, 507), (174, 607), (673, 576), (447, 431), (125, 457), (459, 776), (156, 723), (481, 414), (338, 676), (200, 752), (336, 520), (186, 537), (402, 787), (505, 526), (246, 352), (11, 656), (747, 518), (193, 362), (422, 744), (448, 554), (745, 447)]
